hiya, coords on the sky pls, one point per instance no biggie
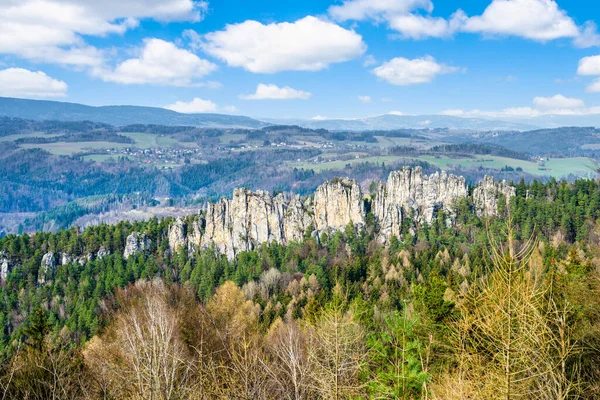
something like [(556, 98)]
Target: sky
[(307, 59)]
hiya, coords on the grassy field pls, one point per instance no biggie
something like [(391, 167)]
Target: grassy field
[(65, 149), (558, 167), (230, 137), (10, 138), (149, 140)]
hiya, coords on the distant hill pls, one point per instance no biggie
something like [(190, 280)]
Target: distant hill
[(41, 110), (390, 121)]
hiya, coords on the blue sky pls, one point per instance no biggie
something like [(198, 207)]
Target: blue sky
[(307, 59)]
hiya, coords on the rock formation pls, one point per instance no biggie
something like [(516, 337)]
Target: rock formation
[(408, 192), (48, 264), (250, 219), (4, 266), (177, 235), (65, 259), (136, 242), (338, 203), (102, 252), (487, 194)]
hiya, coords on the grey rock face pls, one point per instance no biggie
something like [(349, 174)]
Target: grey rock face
[(4, 266), (48, 264), (102, 252), (136, 242), (338, 203), (409, 192), (250, 219), (177, 235), (65, 259), (486, 196)]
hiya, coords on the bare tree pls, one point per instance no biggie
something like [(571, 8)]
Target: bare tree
[(289, 367), (142, 355)]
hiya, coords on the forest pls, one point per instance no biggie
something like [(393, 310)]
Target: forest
[(484, 308)]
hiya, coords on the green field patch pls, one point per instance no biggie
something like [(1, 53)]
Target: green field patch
[(68, 148), (227, 138), (10, 138), (557, 167)]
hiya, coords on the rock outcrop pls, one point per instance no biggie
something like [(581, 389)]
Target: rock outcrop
[(487, 194), (338, 203), (410, 193), (48, 265), (65, 259), (135, 243), (177, 235), (102, 252), (250, 219), (4, 266)]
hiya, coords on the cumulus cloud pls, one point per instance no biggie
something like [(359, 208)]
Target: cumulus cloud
[(403, 72), (557, 102), (359, 10), (555, 105), (593, 87), (413, 26), (308, 44), (364, 99), (19, 82), (539, 20), (160, 63), (53, 30), (319, 118), (197, 105), (274, 92), (589, 66)]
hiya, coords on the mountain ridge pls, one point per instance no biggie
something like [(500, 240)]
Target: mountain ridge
[(119, 115)]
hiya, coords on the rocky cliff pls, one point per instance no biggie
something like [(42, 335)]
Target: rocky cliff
[(409, 193), (487, 195), (135, 243), (250, 219)]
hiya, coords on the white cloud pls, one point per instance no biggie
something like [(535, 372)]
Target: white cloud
[(369, 60), (588, 36), (589, 66), (540, 20), (364, 99), (19, 82), (555, 105), (53, 30), (319, 118), (273, 92), (557, 102), (359, 10), (397, 113), (308, 44), (160, 63), (195, 106), (403, 72), (413, 26), (594, 87)]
